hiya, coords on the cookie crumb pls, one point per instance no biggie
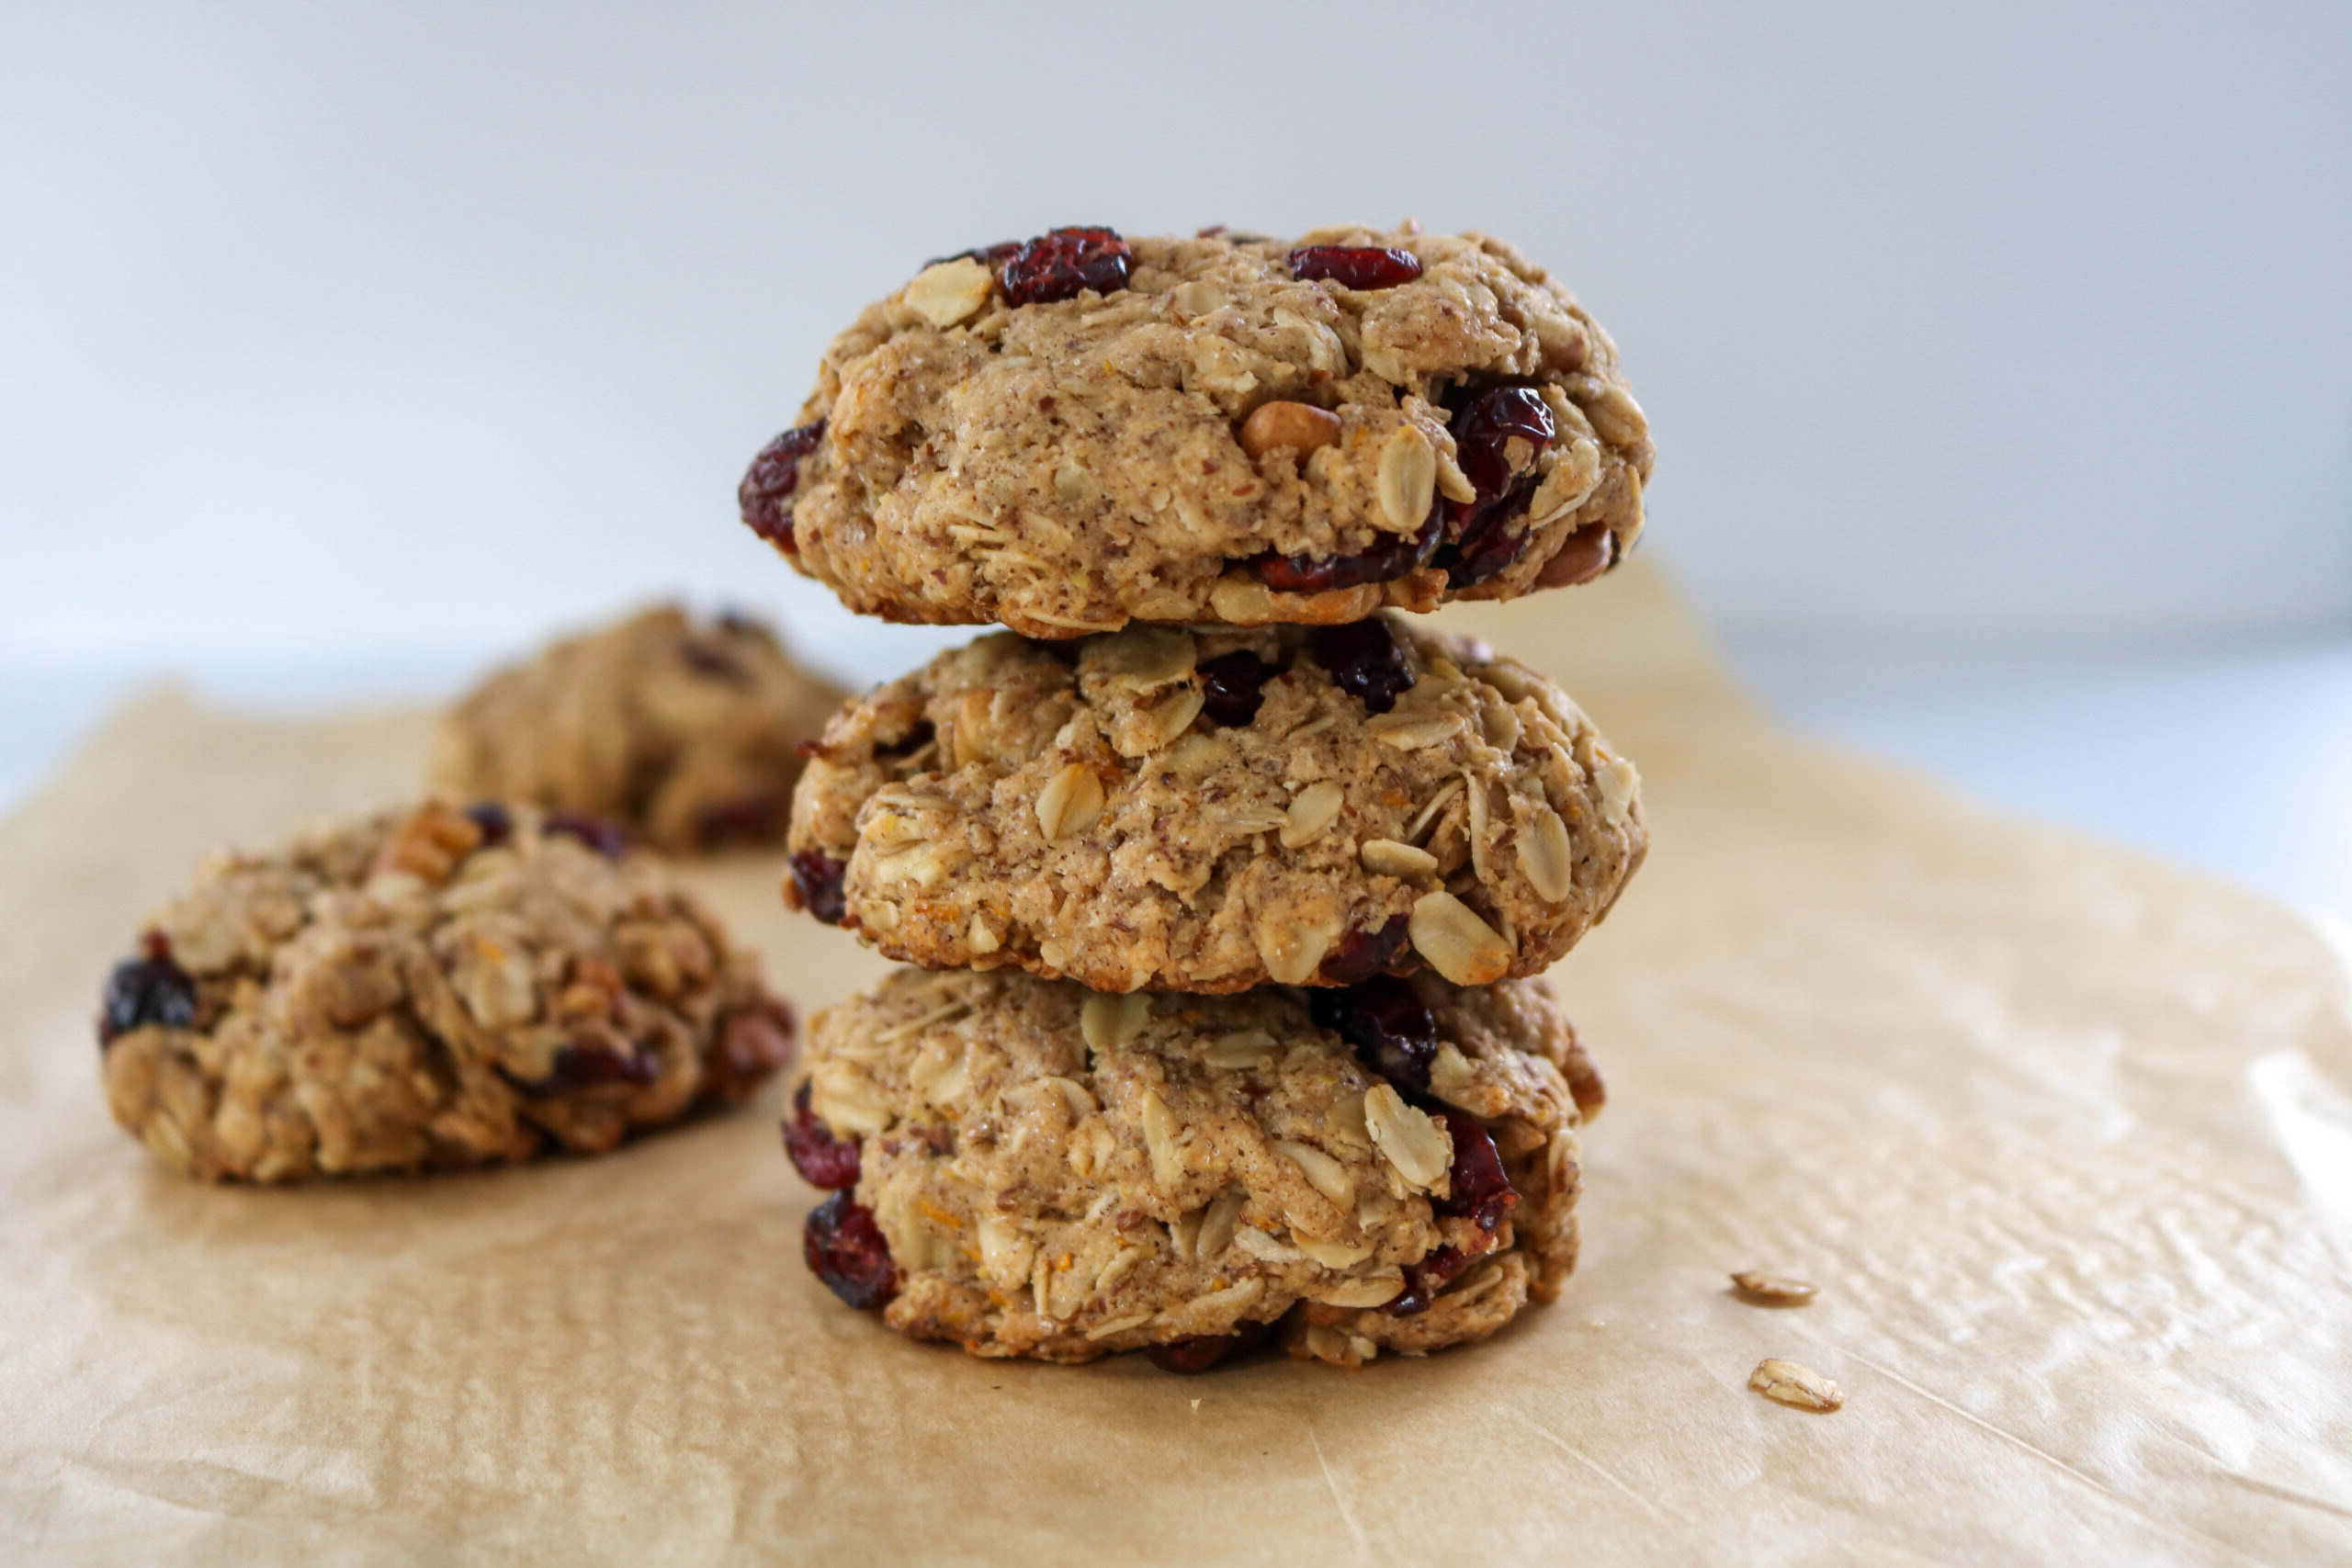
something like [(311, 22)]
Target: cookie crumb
[(1777, 1289), (1801, 1388)]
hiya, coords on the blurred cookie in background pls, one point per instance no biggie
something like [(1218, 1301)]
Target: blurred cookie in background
[(682, 730)]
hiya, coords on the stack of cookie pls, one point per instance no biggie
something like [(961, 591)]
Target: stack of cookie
[(1228, 885)]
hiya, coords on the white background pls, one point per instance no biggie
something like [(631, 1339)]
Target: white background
[(339, 336), (432, 321)]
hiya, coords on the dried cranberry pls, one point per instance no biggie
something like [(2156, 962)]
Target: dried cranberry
[(752, 1042), (497, 823), (1476, 1189), (1382, 563), (591, 1064), (1484, 429), (150, 989), (764, 498), (743, 819), (1355, 267), (918, 735), (1362, 954), (1489, 545), (1392, 1032), (709, 659), (1364, 658), (822, 1158), (1583, 556), (1063, 263), (599, 835), (1201, 1351), (1232, 687), (816, 878), (845, 1248), (1425, 1279), (1479, 541)]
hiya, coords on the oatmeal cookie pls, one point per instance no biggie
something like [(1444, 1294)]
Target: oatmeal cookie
[(429, 989), (1067, 434), (1029, 1168), (1210, 809), (683, 732)]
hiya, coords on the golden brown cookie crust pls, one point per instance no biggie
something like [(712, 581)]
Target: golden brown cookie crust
[(681, 730), (1061, 1174), (427, 989), (1065, 467), (1077, 809)]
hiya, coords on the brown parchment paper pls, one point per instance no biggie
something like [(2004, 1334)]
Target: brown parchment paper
[(2062, 1136)]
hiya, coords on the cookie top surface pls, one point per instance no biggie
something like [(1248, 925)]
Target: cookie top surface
[(433, 988), (1067, 434), (682, 730), (1211, 809), (1059, 1173)]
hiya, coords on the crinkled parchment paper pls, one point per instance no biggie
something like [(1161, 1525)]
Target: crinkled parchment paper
[(2062, 1136)]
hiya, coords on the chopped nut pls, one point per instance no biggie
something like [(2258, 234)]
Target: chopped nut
[(1316, 808), (1786, 1382), (429, 843), (1408, 480), (1774, 1287), (1109, 1022), (494, 984), (1414, 1143), (1458, 944), (1198, 297), (1005, 1253), (922, 865), (1184, 1234), (1302, 427), (1620, 785), (1324, 1343), (1545, 855), (1070, 802), (1389, 857), (950, 291), (1451, 1078), (1240, 600), (970, 734)]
